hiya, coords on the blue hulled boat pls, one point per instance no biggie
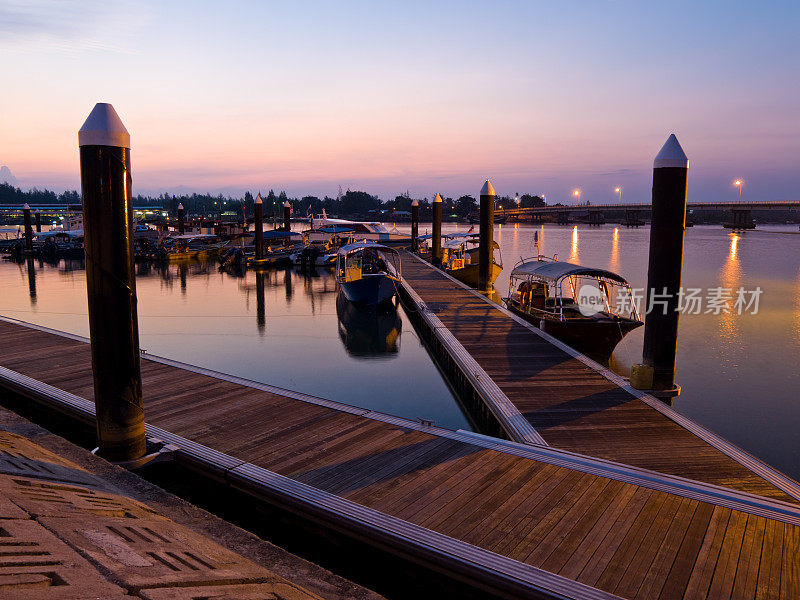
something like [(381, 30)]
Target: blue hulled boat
[(368, 273)]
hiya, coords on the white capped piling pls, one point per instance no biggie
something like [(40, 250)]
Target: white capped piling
[(181, 219), (436, 237), (670, 176), (26, 217), (415, 225), (258, 225), (287, 216), (486, 238), (37, 217), (108, 229)]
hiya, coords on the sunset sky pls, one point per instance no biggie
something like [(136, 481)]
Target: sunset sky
[(540, 97)]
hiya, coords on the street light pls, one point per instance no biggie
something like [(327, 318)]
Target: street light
[(619, 192), (516, 199), (577, 194), (739, 183)]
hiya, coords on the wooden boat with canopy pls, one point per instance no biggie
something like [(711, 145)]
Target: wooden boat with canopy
[(587, 308)]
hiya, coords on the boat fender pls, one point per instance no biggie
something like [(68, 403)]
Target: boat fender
[(641, 377)]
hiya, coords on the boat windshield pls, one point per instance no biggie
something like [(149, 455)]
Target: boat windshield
[(367, 261)]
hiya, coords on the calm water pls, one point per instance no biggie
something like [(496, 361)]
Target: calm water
[(740, 374), (196, 314)]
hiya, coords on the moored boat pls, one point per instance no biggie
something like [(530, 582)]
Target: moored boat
[(460, 258), (587, 308), (368, 273)]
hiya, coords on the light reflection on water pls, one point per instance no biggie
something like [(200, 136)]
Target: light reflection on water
[(730, 278), (280, 327)]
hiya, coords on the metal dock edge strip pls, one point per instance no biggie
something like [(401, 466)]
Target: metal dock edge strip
[(515, 424), (747, 460)]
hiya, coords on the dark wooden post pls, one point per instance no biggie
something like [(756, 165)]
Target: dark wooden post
[(436, 238), (258, 224), (486, 238), (670, 174), (181, 217), (287, 216), (415, 225), (26, 217), (37, 216), (108, 229)]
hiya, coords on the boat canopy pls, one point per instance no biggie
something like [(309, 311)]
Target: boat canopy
[(456, 243), (193, 236), (335, 229), (348, 248), (73, 233), (557, 269), (276, 234)]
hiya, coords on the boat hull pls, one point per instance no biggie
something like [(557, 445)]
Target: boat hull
[(468, 274), (369, 291), (595, 338)]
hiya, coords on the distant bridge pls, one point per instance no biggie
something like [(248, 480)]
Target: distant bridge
[(634, 213)]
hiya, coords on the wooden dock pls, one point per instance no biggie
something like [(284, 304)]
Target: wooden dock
[(516, 520), (572, 402)]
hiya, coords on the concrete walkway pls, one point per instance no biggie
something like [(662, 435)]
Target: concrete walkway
[(74, 527)]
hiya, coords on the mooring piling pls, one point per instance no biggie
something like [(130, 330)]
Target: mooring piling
[(415, 225), (670, 175), (181, 219), (287, 216), (486, 238), (436, 239), (258, 224), (108, 229), (26, 217), (37, 217)]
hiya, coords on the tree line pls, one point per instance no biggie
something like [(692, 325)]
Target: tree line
[(352, 203)]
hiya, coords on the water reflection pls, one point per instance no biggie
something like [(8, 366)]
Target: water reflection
[(573, 249), (182, 271), (730, 279), (368, 332), (261, 316), (797, 309), (287, 285), (31, 280), (613, 261)]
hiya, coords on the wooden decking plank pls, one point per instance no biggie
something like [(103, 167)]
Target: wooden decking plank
[(551, 508), (467, 492), (556, 525), (442, 455), (635, 553), (662, 559), (488, 502), (616, 538), (769, 573), (790, 572), (681, 568), (746, 578), (629, 501), (723, 578)]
